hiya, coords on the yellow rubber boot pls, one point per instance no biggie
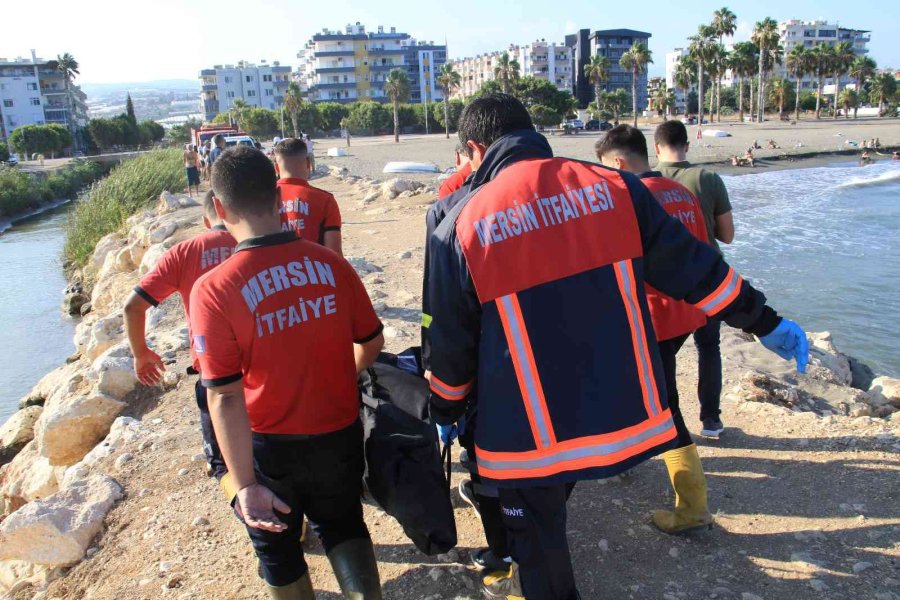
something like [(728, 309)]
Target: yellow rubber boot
[(301, 589), (691, 508), (503, 585)]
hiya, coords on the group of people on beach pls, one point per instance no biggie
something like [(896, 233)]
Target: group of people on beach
[(556, 295)]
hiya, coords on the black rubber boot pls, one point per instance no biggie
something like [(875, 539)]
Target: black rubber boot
[(301, 589), (356, 569)]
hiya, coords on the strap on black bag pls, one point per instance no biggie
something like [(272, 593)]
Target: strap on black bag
[(447, 459)]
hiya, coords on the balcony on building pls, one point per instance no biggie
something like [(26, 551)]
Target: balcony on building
[(336, 69), (208, 73), (328, 53), (209, 87), (281, 83), (336, 86), (385, 51)]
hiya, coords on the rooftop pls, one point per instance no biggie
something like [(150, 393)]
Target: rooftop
[(621, 32)]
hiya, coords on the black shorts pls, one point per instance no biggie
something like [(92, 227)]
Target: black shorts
[(193, 175)]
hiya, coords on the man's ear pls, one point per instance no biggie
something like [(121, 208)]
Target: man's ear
[(478, 151), (620, 163), (220, 210), (687, 147), (206, 222)]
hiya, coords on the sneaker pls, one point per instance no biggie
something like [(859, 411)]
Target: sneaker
[(503, 585), (487, 560), (467, 493), (712, 428)]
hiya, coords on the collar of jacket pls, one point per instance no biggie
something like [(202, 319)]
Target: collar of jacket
[(649, 174), (511, 148)]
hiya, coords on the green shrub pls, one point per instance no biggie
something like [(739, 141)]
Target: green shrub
[(20, 191), (131, 186)]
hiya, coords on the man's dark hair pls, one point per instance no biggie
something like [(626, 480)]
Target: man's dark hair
[(672, 134), (291, 148), (209, 208), (244, 181), (218, 138), (624, 139), (489, 118)]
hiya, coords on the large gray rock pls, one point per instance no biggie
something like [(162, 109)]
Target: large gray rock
[(18, 431), (885, 391), (28, 477), (150, 257), (168, 202), (392, 188), (824, 354), (58, 530), (105, 333), (114, 370), (107, 244), (71, 426), (162, 232)]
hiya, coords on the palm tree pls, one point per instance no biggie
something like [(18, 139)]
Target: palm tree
[(742, 62), (699, 50), (635, 59), (716, 67), (884, 87), (597, 71), (685, 76), (396, 86), (449, 80), (507, 71), (821, 56), (843, 58), (724, 23), (862, 69), (849, 99), (765, 34), (293, 103), (780, 88), (68, 66), (239, 109), (664, 99), (799, 63)]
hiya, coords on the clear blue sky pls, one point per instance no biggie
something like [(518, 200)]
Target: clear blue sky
[(164, 39)]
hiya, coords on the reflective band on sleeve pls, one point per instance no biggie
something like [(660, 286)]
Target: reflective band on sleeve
[(526, 370), (426, 321), (582, 453), (628, 289), (724, 295), (450, 392)]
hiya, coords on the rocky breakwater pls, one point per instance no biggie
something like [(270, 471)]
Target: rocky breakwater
[(53, 493)]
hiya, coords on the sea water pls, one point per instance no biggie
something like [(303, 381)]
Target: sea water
[(35, 336), (824, 245)]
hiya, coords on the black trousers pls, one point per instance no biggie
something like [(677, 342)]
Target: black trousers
[(318, 476), (487, 498), (535, 519), (210, 445), (709, 386), (668, 350)]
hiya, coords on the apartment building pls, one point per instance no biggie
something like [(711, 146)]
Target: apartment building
[(541, 59), (611, 43), (351, 65), (796, 32), (33, 92), (260, 85), (673, 59)]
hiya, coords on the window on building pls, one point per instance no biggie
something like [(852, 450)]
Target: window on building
[(35, 101), (251, 93), (227, 79), (229, 94), (7, 104), (248, 78), (32, 87), (827, 33), (267, 78), (270, 92)]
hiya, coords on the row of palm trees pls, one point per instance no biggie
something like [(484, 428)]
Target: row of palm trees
[(633, 60), (708, 60)]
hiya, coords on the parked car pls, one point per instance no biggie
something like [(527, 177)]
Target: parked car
[(597, 125), (572, 124), (13, 159), (242, 140)]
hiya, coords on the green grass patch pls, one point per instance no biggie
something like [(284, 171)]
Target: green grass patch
[(21, 192), (131, 186)]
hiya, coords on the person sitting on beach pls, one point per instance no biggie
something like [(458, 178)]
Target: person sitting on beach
[(176, 272), (311, 212), (748, 159), (865, 144), (876, 143), (773, 145)]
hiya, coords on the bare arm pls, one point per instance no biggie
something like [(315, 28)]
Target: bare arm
[(332, 241), (147, 364), (725, 227), (366, 354), (232, 427)]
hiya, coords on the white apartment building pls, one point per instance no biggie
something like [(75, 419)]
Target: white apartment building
[(540, 59), (812, 33), (260, 85), (672, 61), (33, 92)]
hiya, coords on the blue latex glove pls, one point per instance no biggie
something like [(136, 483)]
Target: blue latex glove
[(448, 433), (788, 341)]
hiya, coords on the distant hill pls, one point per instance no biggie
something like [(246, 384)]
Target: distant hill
[(102, 89)]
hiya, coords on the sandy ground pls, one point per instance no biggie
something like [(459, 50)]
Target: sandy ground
[(806, 505), (369, 155)]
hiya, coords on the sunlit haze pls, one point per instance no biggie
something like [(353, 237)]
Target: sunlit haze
[(143, 41)]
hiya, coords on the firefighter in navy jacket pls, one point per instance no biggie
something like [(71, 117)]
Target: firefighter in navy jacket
[(536, 291)]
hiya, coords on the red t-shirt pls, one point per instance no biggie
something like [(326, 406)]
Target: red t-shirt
[(672, 318), (182, 265), (282, 314), (307, 210), (455, 181)]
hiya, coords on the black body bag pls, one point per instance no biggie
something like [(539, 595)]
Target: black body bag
[(404, 473)]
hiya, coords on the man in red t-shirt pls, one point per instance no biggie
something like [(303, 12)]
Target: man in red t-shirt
[(175, 272), (456, 181), (281, 332), (311, 212), (625, 148)]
